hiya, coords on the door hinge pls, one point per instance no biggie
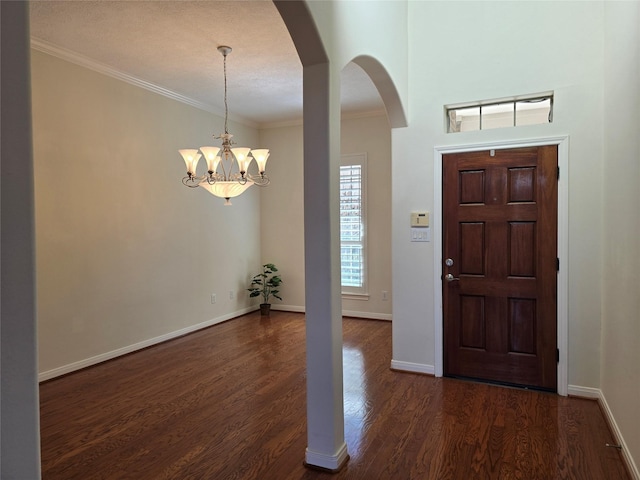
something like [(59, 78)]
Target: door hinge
[(557, 355), (558, 173), (557, 264)]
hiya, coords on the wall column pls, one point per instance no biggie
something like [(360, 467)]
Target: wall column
[(326, 447), (19, 431)]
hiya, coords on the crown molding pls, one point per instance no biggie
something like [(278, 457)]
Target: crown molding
[(344, 116), (86, 62)]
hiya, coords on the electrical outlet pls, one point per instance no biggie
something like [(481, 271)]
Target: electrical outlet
[(230, 294), (213, 298)]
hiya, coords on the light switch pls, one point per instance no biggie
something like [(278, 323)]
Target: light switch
[(420, 234)]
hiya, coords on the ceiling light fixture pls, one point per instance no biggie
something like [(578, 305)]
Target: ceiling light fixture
[(227, 168)]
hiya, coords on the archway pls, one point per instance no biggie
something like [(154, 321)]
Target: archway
[(326, 447), (386, 88)]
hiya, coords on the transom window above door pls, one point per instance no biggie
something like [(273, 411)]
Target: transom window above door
[(510, 112)]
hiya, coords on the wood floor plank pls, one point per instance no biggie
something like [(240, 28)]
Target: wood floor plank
[(229, 402)]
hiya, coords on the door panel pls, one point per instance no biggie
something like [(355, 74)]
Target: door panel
[(500, 230)]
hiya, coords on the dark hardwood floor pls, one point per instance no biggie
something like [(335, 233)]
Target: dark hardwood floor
[(228, 402)]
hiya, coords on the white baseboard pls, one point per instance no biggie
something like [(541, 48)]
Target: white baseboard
[(585, 392), (287, 308), (413, 367), (87, 362), (596, 393), (631, 464), (103, 357), (329, 462), (345, 313), (367, 315)]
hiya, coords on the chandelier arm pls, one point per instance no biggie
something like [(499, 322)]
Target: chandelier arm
[(191, 181), (260, 180), (211, 179), (239, 178)]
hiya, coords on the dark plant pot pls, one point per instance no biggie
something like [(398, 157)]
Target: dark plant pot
[(265, 309)]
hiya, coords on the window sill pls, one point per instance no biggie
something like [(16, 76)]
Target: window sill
[(355, 296)]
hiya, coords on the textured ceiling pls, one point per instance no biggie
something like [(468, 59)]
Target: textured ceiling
[(172, 45)]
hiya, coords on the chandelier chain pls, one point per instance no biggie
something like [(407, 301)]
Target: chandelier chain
[(226, 107)]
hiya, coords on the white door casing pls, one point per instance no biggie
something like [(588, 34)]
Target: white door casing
[(563, 245)]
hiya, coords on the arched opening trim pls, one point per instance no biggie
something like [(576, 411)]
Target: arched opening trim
[(386, 88)]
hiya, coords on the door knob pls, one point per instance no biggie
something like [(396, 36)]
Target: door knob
[(450, 278)]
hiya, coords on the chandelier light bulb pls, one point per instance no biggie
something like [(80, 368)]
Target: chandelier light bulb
[(210, 154), (242, 157), (260, 155), (191, 158)]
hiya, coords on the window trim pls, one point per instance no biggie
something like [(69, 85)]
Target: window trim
[(358, 293), (497, 101)]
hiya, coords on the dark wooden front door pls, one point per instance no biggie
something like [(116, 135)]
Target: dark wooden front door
[(499, 265)]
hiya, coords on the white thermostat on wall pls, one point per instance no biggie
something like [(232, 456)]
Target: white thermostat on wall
[(420, 219)]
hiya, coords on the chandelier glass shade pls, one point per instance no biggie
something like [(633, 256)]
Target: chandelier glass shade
[(227, 173)]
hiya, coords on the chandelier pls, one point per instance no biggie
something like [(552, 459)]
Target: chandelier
[(227, 168)]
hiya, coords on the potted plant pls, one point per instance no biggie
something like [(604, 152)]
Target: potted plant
[(265, 284)]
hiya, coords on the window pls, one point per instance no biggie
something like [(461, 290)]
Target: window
[(353, 254), (523, 110)]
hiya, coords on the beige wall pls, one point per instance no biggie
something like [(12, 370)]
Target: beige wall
[(372, 135), (282, 211), (125, 253)]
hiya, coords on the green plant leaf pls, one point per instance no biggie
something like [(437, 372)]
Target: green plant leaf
[(265, 283)]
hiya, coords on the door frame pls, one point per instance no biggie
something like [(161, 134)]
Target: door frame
[(562, 304)]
